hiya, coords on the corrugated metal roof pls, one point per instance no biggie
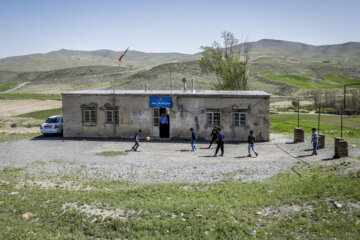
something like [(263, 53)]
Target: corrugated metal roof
[(168, 92)]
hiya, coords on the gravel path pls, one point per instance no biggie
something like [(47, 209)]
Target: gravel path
[(156, 161)]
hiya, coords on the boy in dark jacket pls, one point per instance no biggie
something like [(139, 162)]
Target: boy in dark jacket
[(193, 139), (251, 143), (137, 140), (213, 134), (220, 142)]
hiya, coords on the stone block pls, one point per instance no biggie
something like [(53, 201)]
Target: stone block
[(299, 135), (341, 148), (321, 143)]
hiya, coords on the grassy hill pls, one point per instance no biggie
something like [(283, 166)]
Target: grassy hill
[(70, 58), (279, 67)]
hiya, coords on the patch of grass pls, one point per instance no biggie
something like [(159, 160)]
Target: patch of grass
[(329, 125), (111, 153), (57, 161), (222, 210), (325, 64), (7, 137), (332, 80), (43, 114), (36, 162), (12, 169), (289, 79), (7, 86), (329, 81), (30, 96)]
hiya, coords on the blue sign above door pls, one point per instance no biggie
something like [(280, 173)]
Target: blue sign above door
[(164, 102)]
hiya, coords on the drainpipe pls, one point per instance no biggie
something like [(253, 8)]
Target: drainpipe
[(193, 85)]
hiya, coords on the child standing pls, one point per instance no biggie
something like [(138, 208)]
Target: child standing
[(193, 139), (137, 140), (213, 134), (251, 143), (314, 140)]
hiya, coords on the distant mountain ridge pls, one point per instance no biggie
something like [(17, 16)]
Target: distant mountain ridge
[(74, 58)]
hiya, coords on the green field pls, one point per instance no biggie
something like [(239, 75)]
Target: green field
[(329, 125), (30, 96), (8, 137), (7, 86), (43, 114), (223, 210), (328, 81)]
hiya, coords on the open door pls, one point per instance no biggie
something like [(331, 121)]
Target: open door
[(164, 120)]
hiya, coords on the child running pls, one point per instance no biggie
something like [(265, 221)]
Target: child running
[(137, 140), (251, 143), (213, 135), (193, 139)]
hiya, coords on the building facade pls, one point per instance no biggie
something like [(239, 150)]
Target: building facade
[(103, 114)]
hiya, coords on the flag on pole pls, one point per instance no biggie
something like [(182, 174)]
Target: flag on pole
[(123, 55)]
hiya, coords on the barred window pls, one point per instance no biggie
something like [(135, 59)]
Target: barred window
[(89, 115), (111, 114), (239, 117), (213, 117), (156, 116)]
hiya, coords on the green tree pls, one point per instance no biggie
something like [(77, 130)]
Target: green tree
[(229, 63)]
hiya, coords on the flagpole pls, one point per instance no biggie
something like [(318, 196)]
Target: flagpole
[(114, 83)]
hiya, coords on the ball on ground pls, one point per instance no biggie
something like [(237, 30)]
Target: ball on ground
[(147, 139)]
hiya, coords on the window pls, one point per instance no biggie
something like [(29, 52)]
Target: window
[(89, 115), (111, 114), (156, 116), (239, 117), (213, 117)]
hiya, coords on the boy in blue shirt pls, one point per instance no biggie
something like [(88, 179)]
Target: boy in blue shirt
[(137, 140), (193, 139), (314, 140)]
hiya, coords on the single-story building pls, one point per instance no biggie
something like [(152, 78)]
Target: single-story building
[(120, 113)]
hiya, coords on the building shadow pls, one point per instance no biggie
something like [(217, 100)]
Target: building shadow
[(55, 137)]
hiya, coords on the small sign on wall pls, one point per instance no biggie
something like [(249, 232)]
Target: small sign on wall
[(165, 102)]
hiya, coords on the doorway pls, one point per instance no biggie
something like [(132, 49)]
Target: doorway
[(161, 122)]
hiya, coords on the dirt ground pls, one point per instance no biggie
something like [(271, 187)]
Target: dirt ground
[(17, 107), (156, 161)]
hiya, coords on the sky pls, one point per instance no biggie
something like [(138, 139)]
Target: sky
[(40, 26)]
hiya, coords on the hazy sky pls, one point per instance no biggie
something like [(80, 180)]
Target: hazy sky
[(39, 26)]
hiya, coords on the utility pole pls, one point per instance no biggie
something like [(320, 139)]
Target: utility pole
[(298, 112), (319, 118)]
